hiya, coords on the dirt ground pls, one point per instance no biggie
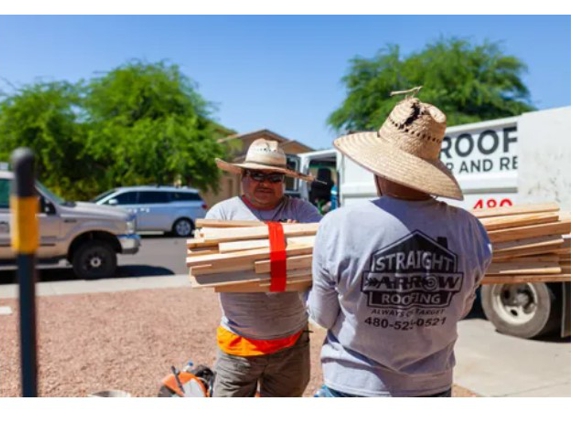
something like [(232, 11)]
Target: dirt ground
[(121, 341)]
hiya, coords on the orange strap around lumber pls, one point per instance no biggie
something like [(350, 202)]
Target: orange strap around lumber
[(278, 257)]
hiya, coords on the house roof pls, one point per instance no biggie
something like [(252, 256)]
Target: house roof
[(261, 133)]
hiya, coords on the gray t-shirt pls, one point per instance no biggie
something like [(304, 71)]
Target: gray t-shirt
[(391, 279), (264, 316)]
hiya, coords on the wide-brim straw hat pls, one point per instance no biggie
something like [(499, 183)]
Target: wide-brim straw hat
[(406, 149), (264, 155)]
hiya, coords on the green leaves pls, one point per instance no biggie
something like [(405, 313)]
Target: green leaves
[(137, 124), (470, 83)]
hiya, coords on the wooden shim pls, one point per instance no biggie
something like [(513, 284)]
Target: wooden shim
[(233, 258), (257, 288), (244, 277), (563, 251), (247, 233), (199, 268), (523, 268), (526, 252), (200, 243), (196, 281), (220, 269), (516, 210), (519, 279), (202, 222), (293, 263), (517, 233), (226, 247), (506, 222), (552, 257), (549, 242), (565, 248), (202, 251), (292, 281)]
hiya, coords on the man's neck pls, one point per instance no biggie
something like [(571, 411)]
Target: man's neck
[(261, 207), (395, 190), (410, 196)]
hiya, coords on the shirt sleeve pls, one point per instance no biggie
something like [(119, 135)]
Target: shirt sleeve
[(322, 302), (215, 213), (307, 213)]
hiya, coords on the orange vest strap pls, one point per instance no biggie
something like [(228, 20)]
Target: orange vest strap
[(234, 344)]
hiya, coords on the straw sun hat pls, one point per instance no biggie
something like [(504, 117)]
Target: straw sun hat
[(263, 155), (406, 149)]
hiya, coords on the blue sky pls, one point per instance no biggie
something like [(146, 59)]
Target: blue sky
[(281, 72)]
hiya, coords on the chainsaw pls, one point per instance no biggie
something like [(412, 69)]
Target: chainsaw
[(191, 381)]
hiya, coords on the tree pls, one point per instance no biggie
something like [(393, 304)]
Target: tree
[(45, 117), (137, 124), (470, 83), (147, 124)]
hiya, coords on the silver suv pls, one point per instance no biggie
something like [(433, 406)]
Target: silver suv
[(158, 208), (88, 236)]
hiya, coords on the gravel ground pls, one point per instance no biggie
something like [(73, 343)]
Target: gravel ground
[(120, 341)]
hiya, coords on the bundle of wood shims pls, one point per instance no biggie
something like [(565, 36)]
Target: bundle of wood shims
[(531, 243), (234, 256)]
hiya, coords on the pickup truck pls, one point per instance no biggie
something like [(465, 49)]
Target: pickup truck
[(87, 235)]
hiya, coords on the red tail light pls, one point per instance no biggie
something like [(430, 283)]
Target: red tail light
[(204, 206)]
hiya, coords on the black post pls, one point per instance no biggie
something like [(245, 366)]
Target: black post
[(25, 238)]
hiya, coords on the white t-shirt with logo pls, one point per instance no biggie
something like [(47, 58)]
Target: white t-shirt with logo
[(391, 279)]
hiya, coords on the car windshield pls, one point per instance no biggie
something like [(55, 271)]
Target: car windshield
[(50, 195), (102, 195)]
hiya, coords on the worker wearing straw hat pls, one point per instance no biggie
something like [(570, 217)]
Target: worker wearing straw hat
[(263, 338), (393, 276)]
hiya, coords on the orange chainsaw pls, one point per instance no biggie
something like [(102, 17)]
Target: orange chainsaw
[(189, 382)]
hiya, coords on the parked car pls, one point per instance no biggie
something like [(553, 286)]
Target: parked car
[(87, 235), (158, 208)]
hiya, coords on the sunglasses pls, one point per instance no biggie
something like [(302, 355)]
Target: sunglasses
[(259, 176)]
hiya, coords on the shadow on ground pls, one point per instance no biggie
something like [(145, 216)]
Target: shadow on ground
[(66, 274)]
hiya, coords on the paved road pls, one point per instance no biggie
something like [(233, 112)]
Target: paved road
[(159, 255)]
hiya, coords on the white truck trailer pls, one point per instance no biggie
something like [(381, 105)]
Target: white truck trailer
[(504, 162)]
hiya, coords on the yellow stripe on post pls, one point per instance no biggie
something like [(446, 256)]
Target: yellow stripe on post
[(25, 230)]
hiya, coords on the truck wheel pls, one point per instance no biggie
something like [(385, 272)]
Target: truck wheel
[(94, 259), (183, 227), (522, 310)]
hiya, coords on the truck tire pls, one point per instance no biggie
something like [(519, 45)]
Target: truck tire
[(183, 227), (94, 259), (525, 310)]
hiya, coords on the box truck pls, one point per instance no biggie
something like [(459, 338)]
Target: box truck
[(518, 160)]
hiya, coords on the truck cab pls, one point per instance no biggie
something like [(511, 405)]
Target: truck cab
[(498, 163), (87, 235)]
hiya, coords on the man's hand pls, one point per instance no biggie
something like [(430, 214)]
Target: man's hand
[(290, 221)]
